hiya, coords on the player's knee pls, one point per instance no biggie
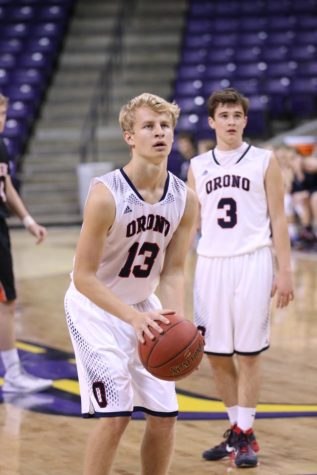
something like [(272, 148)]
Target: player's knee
[(161, 424), (116, 424)]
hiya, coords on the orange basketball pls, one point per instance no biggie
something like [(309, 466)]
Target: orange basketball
[(174, 354)]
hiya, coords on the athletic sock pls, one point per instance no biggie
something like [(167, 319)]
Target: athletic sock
[(232, 414), (10, 358), (246, 417)]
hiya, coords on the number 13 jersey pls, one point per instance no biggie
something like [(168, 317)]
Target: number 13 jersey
[(134, 252), (234, 210)]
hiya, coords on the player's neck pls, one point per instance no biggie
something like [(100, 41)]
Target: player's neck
[(225, 146), (146, 175)]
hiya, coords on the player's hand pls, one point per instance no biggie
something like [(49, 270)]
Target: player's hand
[(38, 231), (283, 288), (143, 322)]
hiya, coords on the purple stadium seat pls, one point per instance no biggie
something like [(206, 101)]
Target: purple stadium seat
[(47, 30), (279, 86), (280, 38), (15, 30), (254, 23), (247, 54), (11, 45), (282, 22), (304, 85), (194, 104), (307, 68), (252, 38), (15, 129), (188, 88), (4, 78), (303, 105), (24, 93), (21, 110), (304, 52), (251, 70), (191, 71), (307, 22), (36, 61), (14, 146), (22, 14), (213, 85), (42, 45), (222, 41), (222, 55), (199, 26), (224, 24), (282, 68), (7, 61), (33, 77), (195, 56), (198, 41), (221, 71), (188, 122), (275, 53), (52, 13), (247, 86), (306, 37)]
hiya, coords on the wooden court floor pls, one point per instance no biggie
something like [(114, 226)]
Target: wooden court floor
[(38, 443)]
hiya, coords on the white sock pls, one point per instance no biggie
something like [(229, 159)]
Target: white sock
[(232, 414), (246, 417), (10, 358)]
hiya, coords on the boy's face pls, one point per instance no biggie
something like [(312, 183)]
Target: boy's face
[(3, 116), (228, 122), (152, 136)]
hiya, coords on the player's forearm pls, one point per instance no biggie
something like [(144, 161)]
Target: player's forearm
[(172, 292), (14, 201), (281, 244), (102, 296)]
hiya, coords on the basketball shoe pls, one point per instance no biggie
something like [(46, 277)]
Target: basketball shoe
[(227, 447), (17, 380), (245, 455)]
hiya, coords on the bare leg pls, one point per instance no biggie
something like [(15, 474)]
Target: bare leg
[(158, 445), (226, 378), (102, 445), (7, 334), (249, 380)]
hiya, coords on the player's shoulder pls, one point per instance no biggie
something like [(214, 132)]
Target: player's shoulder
[(201, 158)]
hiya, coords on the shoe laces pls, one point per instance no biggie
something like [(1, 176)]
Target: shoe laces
[(243, 443)]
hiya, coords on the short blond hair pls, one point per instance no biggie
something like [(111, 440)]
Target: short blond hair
[(4, 101), (155, 103)]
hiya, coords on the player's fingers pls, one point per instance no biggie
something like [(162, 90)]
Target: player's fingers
[(164, 315)]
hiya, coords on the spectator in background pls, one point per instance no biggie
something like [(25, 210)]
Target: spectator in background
[(16, 379), (186, 149)]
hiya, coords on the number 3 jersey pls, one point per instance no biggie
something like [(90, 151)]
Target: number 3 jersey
[(134, 252), (234, 210)]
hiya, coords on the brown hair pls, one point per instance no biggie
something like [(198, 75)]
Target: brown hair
[(226, 96), (156, 103)]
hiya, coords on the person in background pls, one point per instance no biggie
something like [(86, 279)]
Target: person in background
[(186, 149), (135, 234), (16, 379), (240, 191)]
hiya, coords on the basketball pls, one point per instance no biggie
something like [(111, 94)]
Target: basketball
[(174, 354)]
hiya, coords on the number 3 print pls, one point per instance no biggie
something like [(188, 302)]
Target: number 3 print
[(230, 207)]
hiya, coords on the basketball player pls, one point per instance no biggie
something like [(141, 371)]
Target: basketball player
[(240, 191), (135, 233), (16, 379)]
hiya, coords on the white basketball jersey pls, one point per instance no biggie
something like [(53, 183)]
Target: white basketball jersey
[(234, 212), (135, 247)]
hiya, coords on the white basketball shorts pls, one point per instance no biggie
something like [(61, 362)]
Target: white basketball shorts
[(232, 302), (113, 381)]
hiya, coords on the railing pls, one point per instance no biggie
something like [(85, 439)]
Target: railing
[(101, 101)]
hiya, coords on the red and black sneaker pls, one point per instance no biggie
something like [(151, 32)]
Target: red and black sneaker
[(225, 448), (245, 455)]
